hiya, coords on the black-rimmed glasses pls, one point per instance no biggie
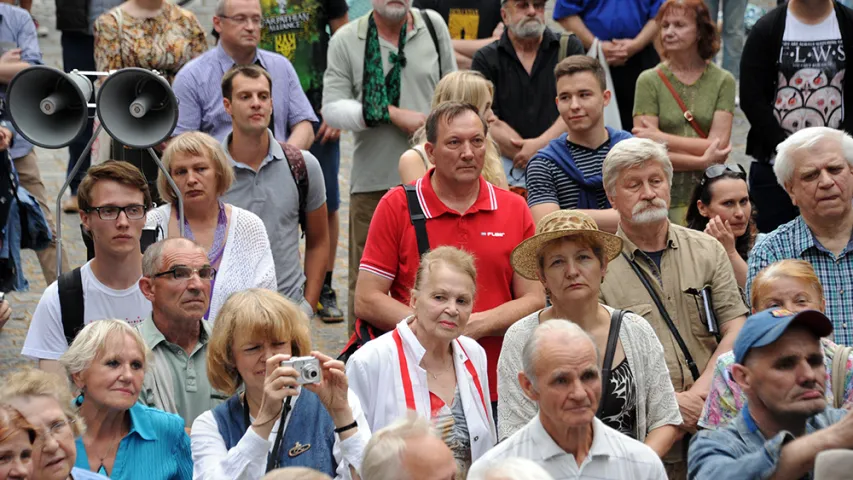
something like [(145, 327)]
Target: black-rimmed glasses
[(110, 212), (182, 272), (715, 171)]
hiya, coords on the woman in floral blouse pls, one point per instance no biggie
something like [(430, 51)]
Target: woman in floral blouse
[(792, 285), (153, 34)]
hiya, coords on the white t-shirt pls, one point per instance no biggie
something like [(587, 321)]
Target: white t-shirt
[(46, 336), (810, 92)]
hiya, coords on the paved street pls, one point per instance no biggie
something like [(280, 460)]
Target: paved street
[(328, 338)]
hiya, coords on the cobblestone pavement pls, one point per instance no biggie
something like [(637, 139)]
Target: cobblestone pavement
[(328, 338)]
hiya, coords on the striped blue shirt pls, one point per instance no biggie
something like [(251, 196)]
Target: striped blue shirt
[(156, 448), (795, 240), (198, 87)]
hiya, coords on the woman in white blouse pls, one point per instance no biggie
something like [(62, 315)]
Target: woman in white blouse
[(236, 239), (427, 365), (569, 255), (274, 422)]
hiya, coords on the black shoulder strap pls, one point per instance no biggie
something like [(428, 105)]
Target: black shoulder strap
[(666, 318), (416, 214), (296, 162), (434, 36), (612, 340), (71, 302)]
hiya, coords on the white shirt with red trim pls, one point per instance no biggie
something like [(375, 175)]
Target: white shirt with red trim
[(376, 377), (490, 229)]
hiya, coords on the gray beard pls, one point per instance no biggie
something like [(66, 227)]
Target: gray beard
[(528, 29)]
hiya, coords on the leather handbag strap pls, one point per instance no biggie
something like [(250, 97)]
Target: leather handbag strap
[(666, 318), (612, 340), (839, 373), (687, 115)]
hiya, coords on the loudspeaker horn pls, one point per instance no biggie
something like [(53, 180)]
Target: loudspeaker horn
[(47, 106), (137, 107)]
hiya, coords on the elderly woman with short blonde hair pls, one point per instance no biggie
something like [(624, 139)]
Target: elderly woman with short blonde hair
[(106, 364), (235, 239), (274, 418), (46, 403)]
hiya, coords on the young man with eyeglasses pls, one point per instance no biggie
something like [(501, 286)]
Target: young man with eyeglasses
[(113, 199), (521, 66), (177, 279), (197, 84)]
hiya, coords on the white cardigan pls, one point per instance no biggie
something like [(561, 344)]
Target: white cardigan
[(246, 262), (374, 375)]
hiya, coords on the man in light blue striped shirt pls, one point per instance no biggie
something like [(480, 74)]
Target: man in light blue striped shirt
[(198, 84), (815, 167)]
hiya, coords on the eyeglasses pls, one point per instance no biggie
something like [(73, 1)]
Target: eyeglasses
[(715, 171), (182, 272), (56, 428), (133, 212), (243, 20)]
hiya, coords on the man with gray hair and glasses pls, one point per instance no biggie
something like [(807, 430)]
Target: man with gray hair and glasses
[(813, 165), (408, 449), (176, 278), (561, 373), (679, 280)]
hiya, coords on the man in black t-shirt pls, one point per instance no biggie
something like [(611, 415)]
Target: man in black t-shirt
[(473, 24)]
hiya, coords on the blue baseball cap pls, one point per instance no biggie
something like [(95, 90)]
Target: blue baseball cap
[(765, 327)]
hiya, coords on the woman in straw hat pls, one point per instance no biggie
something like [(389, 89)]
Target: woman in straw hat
[(569, 255)]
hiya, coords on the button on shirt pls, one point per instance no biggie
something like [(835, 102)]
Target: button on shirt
[(691, 260), (525, 101), (741, 447), (271, 194), (795, 240), (16, 27), (199, 91), (611, 455), (177, 382)]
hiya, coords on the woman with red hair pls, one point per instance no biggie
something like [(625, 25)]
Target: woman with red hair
[(686, 101), (16, 445)]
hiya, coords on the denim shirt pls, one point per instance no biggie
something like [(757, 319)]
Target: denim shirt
[(740, 447)]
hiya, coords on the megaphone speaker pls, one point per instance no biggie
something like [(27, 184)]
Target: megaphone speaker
[(47, 106), (137, 107)]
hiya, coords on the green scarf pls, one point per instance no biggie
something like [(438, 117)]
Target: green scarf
[(381, 91)]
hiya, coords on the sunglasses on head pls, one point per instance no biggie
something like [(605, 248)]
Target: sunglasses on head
[(715, 171)]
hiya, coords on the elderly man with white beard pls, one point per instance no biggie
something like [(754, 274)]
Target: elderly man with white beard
[(521, 66), (678, 279)]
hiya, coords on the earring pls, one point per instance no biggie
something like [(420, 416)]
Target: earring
[(79, 400)]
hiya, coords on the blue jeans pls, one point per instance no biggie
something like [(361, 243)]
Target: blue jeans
[(329, 156), (515, 176), (78, 52), (733, 31)]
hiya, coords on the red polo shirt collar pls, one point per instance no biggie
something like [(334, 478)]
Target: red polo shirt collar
[(433, 206)]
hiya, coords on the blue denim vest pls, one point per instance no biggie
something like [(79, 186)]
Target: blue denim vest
[(309, 425)]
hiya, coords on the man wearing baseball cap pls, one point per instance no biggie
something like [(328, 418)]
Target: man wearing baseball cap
[(785, 422)]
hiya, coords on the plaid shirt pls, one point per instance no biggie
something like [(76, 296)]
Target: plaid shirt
[(795, 240)]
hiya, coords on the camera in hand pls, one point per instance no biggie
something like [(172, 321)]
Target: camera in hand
[(308, 368)]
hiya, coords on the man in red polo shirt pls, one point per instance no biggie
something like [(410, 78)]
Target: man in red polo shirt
[(493, 223)]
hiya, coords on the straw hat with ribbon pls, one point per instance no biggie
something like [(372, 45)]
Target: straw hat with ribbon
[(562, 223)]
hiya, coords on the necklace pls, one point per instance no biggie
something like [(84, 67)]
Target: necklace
[(102, 469), (440, 372)]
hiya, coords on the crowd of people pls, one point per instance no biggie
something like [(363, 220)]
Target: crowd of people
[(555, 268)]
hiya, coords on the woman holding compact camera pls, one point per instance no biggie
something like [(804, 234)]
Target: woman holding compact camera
[(294, 411)]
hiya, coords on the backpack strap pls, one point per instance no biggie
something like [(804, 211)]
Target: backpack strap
[(416, 214), (564, 45), (431, 28), (71, 302), (296, 161), (839, 373)]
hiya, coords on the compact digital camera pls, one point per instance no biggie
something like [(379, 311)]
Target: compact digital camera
[(308, 368)]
